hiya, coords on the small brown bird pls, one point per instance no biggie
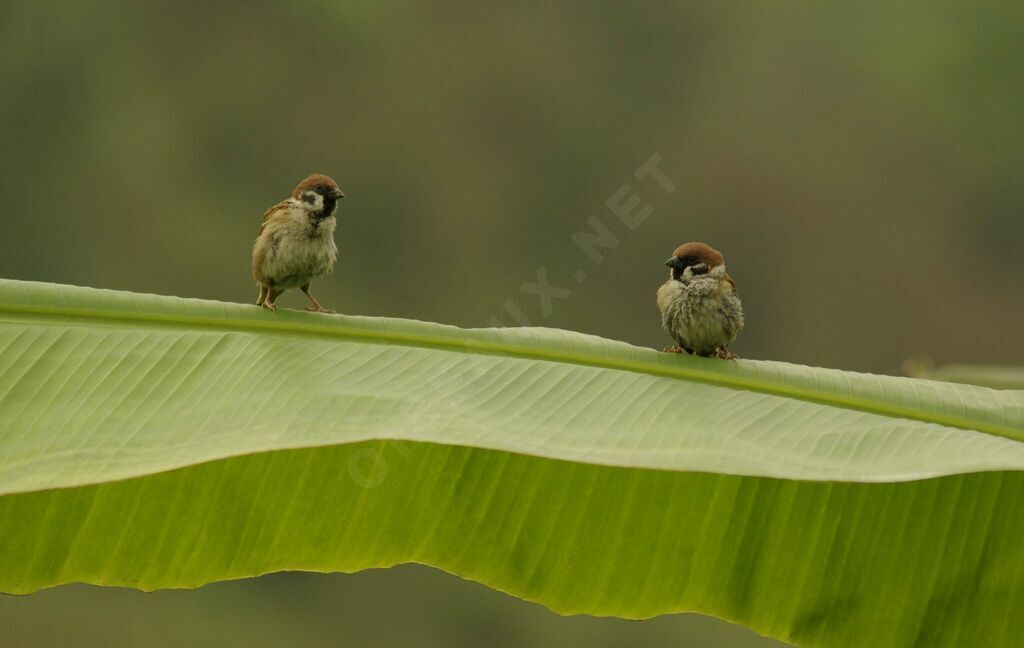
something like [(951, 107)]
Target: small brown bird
[(700, 306), (296, 241)]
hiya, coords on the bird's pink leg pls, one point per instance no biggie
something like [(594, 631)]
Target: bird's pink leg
[(316, 307), (269, 298)]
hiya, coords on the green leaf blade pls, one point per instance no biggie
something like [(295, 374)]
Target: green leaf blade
[(159, 442), (801, 561)]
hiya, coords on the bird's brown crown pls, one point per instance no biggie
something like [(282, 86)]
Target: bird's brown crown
[(697, 252), (317, 182)]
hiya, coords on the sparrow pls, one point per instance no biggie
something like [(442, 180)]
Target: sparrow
[(700, 306), (296, 242)]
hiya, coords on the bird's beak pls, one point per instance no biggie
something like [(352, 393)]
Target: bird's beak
[(674, 262), (337, 193)]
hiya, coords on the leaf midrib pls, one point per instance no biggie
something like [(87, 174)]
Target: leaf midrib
[(470, 345)]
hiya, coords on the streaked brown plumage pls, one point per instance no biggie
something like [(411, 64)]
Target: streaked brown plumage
[(296, 241), (700, 305)]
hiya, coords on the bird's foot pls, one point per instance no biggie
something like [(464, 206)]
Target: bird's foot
[(676, 349), (321, 309), (725, 354), (269, 306)]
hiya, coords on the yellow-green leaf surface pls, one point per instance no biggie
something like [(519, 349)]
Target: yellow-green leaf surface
[(160, 442)]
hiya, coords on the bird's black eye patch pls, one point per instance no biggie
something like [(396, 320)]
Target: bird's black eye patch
[(687, 260), (319, 188)]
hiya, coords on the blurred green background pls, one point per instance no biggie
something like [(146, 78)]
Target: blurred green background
[(859, 166)]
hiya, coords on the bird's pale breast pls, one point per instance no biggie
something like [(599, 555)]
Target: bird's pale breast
[(298, 249), (702, 314)]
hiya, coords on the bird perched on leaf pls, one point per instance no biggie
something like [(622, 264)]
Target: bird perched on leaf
[(296, 241), (700, 306)]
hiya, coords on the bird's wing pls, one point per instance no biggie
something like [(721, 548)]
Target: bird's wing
[(735, 290), (279, 208)]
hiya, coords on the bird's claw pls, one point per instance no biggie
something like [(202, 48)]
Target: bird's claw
[(725, 354), (673, 349), (321, 309), (270, 307)]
